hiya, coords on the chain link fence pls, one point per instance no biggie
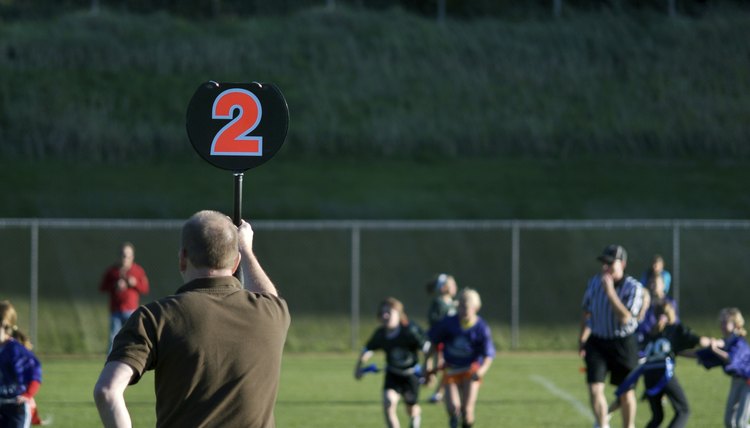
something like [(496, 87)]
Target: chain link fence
[(531, 274)]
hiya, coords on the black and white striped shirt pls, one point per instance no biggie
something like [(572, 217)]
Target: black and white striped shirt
[(604, 322)]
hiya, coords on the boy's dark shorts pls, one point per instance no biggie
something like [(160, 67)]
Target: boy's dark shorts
[(617, 356), (407, 386)]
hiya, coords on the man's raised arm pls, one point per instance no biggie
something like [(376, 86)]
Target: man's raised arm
[(254, 277)]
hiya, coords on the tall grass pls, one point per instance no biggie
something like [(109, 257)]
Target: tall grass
[(115, 86)]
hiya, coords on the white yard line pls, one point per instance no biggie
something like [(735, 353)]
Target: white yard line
[(551, 387)]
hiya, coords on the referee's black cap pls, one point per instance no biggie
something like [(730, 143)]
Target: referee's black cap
[(613, 252)]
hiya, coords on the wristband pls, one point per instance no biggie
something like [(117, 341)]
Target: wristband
[(31, 389)]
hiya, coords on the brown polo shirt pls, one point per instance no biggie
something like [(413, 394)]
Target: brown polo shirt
[(216, 352)]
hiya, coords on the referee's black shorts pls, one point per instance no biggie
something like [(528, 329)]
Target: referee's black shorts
[(618, 356)]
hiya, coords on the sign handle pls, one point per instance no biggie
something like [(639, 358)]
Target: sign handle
[(238, 198), (238, 214)]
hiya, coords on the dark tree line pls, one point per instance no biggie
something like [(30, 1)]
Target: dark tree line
[(207, 9)]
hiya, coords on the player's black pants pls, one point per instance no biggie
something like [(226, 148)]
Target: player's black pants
[(13, 415), (676, 396)]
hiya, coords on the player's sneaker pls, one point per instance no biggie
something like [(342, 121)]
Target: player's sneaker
[(436, 397), (596, 424)]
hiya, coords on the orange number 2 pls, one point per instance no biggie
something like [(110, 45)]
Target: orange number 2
[(233, 139)]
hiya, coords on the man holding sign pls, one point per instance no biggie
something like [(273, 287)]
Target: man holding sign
[(215, 347)]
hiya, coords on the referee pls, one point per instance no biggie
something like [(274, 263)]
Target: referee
[(607, 341)]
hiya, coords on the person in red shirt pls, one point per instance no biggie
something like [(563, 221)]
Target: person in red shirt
[(125, 282)]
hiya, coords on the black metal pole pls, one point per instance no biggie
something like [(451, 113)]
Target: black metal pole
[(237, 198), (237, 218)]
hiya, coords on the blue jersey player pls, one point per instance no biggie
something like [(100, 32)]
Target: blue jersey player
[(20, 372)]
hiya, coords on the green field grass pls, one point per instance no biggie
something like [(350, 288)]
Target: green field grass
[(318, 390)]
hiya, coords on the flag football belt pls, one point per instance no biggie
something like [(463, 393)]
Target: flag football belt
[(667, 365), (459, 374)]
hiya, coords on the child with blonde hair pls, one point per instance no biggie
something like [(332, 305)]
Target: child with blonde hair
[(468, 351), (733, 354), (20, 371)]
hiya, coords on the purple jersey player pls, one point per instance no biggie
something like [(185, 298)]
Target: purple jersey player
[(468, 352)]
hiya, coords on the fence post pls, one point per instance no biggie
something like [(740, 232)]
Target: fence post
[(34, 281), (515, 286), (355, 283), (557, 8), (676, 262), (441, 5)]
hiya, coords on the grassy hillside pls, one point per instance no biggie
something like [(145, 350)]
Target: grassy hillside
[(392, 115), (331, 188), (386, 83)]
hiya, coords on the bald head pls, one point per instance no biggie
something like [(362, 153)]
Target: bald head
[(209, 240)]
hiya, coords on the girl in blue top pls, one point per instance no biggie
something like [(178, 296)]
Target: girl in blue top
[(733, 354), (20, 372), (468, 352)]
